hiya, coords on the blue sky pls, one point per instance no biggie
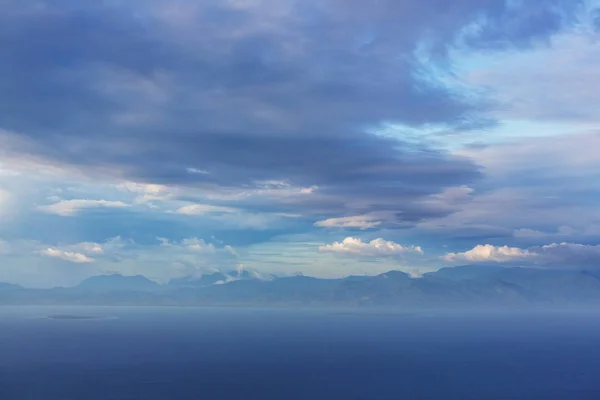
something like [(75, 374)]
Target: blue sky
[(328, 137)]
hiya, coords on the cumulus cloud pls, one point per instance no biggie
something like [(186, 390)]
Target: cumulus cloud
[(68, 208), (160, 260), (569, 254), (359, 221), (67, 255), (352, 246), (488, 253), (563, 255), (84, 252)]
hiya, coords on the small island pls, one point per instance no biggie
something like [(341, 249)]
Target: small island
[(71, 316)]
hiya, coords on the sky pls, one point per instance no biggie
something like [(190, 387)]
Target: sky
[(178, 137)]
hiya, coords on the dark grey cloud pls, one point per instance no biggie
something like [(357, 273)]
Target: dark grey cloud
[(596, 19), (252, 91), (519, 25)]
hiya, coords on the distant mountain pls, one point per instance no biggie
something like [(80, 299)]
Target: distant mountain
[(536, 284), (216, 278), (449, 287), (199, 281), (247, 273), (5, 287), (116, 282), (467, 272)]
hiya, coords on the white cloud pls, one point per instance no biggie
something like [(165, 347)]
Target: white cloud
[(67, 208), (147, 192), (195, 244), (562, 255), (231, 250), (197, 171), (271, 189), (563, 156), (89, 248), (569, 255), (29, 261), (200, 209), (81, 252), (488, 253), (375, 248), (67, 255), (360, 221), (190, 244), (5, 197), (521, 87)]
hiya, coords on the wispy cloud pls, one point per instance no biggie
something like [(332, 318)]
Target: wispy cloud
[(67, 256), (359, 222), (67, 208), (200, 209)]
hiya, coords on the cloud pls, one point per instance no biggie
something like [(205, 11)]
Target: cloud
[(534, 233), (311, 83), (519, 87), (36, 263), (67, 255), (83, 252), (354, 115), (68, 208), (231, 250), (147, 192), (375, 248), (360, 221), (200, 209), (190, 244), (90, 248), (532, 184), (569, 255), (558, 255), (488, 253), (197, 171), (5, 197)]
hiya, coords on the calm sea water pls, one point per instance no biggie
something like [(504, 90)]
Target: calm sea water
[(171, 353)]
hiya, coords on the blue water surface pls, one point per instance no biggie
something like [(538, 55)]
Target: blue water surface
[(225, 353)]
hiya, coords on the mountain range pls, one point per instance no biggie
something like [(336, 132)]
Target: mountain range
[(468, 286)]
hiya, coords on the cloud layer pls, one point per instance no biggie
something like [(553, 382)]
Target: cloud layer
[(305, 136), (287, 92)]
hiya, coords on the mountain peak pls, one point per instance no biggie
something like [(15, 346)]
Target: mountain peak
[(119, 282)]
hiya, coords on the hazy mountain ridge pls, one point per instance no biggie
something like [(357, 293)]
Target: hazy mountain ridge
[(448, 287)]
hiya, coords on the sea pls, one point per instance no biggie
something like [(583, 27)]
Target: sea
[(147, 353)]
